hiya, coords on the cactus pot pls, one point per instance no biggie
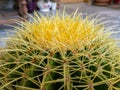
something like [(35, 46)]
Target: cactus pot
[(101, 2)]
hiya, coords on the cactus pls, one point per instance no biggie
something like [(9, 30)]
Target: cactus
[(60, 53)]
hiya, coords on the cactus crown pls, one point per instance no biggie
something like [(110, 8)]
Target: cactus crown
[(66, 33), (60, 53)]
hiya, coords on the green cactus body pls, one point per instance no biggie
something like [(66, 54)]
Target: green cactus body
[(60, 53)]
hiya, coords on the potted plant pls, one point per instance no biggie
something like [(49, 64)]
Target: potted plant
[(54, 4), (68, 53), (53, 0), (44, 5), (102, 2)]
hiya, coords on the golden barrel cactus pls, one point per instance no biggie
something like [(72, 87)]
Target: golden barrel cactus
[(60, 53)]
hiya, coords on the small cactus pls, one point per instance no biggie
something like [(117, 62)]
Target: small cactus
[(60, 53)]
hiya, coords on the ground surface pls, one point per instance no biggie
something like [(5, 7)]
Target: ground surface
[(111, 13)]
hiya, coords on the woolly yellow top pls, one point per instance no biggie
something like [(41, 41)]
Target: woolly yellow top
[(66, 32)]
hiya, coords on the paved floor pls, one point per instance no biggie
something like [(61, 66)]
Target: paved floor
[(111, 13)]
